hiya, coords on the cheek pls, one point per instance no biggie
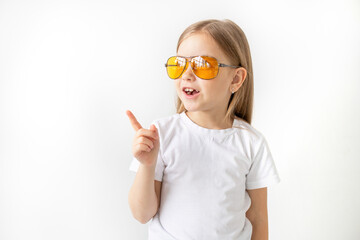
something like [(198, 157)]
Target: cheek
[(216, 88), (177, 87), (176, 84), (223, 85)]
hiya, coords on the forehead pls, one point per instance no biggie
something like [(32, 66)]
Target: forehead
[(200, 44)]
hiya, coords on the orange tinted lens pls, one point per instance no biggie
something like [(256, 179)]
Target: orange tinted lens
[(175, 67), (205, 67)]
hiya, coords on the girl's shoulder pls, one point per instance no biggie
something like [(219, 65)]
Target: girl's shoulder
[(247, 130), (166, 121)]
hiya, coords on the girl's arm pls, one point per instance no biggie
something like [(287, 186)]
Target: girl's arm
[(144, 194), (257, 214)]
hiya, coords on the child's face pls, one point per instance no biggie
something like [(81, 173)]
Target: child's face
[(214, 94)]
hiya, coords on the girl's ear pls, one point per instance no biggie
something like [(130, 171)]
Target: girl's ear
[(238, 79)]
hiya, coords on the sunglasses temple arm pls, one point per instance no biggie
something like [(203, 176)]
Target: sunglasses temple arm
[(224, 65)]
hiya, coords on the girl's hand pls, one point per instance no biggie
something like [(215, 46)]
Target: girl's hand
[(146, 142)]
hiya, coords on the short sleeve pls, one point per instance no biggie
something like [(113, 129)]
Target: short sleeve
[(160, 166), (263, 172)]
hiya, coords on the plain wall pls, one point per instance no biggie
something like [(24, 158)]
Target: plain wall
[(70, 69)]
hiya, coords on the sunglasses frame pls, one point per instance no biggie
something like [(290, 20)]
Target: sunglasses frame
[(191, 58)]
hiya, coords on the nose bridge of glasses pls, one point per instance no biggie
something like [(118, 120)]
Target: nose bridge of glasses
[(187, 68)]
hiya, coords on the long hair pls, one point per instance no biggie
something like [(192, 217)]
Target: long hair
[(232, 41)]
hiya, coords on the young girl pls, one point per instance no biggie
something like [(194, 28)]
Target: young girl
[(203, 172)]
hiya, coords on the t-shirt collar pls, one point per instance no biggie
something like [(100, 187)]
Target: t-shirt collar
[(206, 131)]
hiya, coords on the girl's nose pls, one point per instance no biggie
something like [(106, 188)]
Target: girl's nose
[(188, 73)]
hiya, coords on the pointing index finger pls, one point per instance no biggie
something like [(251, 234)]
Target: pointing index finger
[(134, 123)]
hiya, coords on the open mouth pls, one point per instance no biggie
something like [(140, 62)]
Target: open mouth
[(190, 91)]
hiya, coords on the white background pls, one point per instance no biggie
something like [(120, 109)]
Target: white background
[(70, 69)]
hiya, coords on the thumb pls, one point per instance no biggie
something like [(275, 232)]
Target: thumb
[(153, 128)]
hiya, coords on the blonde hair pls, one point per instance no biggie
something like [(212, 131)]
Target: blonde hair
[(232, 41)]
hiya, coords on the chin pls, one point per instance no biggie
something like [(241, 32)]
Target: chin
[(191, 108)]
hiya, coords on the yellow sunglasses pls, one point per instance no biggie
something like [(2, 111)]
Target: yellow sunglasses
[(204, 67)]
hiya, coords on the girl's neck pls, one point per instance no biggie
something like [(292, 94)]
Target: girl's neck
[(209, 120)]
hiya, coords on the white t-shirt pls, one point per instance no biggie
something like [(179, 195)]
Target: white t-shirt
[(204, 174)]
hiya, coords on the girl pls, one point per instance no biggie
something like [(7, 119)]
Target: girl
[(203, 172)]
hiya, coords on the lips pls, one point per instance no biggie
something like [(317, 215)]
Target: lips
[(190, 92)]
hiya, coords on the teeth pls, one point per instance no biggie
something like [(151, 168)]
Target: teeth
[(189, 90)]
